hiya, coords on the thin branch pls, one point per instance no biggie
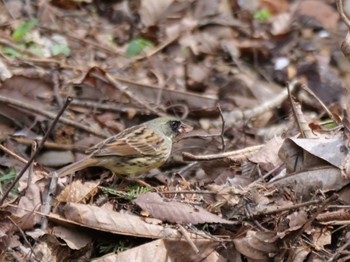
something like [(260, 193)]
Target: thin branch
[(13, 154), (39, 111), (231, 154), (222, 129), (342, 13), (41, 145), (330, 114)]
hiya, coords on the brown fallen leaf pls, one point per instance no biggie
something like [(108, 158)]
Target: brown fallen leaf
[(164, 250), (113, 222), (175, 212)]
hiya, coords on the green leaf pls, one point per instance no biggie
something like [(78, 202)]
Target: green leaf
[(60, 49), (262, 15), (24, 28), (37, 50), (9, 51), (137, 45)]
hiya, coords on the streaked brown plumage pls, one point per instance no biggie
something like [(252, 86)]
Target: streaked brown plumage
[(135, 150)]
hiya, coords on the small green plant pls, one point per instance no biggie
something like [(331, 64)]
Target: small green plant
[(6, 179), (105, 246), (60, 49), (130, 194), (24, 28), (137, 45), (262, 15)]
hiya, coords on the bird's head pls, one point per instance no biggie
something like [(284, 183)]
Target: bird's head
[(171, 127)]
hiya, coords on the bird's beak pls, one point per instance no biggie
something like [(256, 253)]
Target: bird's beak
[(183, 130)]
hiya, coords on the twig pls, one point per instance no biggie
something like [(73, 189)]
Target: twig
[(17, 103), (41, 145), (188, 238), (263, 177), (31, 167), (231, 154), (51, 145), (222, 128), (13, 154), (48, 201), (24, 237), (129, 94), (294, 111), (108, 107), (342, 14), (329, 113), (188, 192), (264, 211)]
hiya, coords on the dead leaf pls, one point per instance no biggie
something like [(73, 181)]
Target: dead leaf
[(78, 192), (114, 222), (321, 11), (75, 239), (152, 11), (175, 212), (164, 250)]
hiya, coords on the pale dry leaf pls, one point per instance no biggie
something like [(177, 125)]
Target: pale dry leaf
[(321, 237), (75, 239), (305, 183), (30, 202), (297, 219), (175, 212), (78, 192), (152, 11), (114, 222), (321, 11), (300, 154), (267, 157), (255, 245), (164, 250), (226, 196)]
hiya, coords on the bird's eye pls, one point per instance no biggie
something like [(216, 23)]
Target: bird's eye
[(175, 125)]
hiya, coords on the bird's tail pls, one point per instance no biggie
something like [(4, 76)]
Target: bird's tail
[(72, 168)]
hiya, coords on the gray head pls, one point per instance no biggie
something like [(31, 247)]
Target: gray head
[(169, 126)]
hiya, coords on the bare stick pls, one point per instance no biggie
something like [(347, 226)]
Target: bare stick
[(329, 113), (124, 90), (41, 145), (245, 151), (20, 104), (342, 14), (13, 154), (51, 145), (222, 128), (188, 238), (50, 194)]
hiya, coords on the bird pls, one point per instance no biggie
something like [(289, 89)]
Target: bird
[(134, 151)]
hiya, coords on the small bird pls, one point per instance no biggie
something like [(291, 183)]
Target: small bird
[(135, 150)]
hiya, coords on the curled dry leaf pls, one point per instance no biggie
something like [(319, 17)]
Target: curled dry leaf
[(114, 222), (175, 212), (78, 192), (256, 245), (164, 250), (153, 10), (75, 239), (267, 157), (226, 196), (305, 183)]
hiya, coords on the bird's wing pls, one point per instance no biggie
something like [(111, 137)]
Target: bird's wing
[(137, 142)]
